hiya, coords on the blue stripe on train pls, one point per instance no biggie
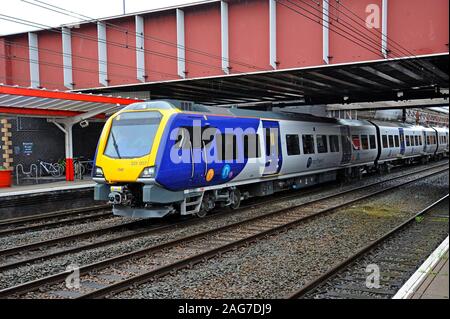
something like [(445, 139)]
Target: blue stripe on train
[(183, 175)]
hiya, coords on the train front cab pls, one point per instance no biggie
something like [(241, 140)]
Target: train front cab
[(127, 153)]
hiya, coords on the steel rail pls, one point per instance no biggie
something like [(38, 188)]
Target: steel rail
[(310, 286), (147, 232), (10, 231), (202, 257), (51, 215), (31, 285)]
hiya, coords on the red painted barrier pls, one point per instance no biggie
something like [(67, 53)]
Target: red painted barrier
[(5, 178), (69, 170)]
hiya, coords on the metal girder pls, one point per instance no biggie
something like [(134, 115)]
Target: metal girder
[(361, 79), (430, 66), (214, 91), (187, 92), (262, 84), (382, 75), (238, 86), (299, 78), (406, 71), (332, 79), (175, 94), (389, 104)]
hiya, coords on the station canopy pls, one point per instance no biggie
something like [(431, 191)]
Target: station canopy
[(30, 102), (408, 78)]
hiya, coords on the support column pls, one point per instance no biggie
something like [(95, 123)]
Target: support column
[(384, 8), (66, 127), (67, 57), (70, 175), (102, 54), (33, 50), (140, 56), (273, 33), (181, 54), (224, 36), (326, 32)]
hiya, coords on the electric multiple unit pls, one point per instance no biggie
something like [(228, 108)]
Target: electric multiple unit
[(157, 158)]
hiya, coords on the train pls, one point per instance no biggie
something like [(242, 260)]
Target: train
[(165, 157)]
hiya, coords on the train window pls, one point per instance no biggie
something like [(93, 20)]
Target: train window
[(227, 147), (356, 142), (364, 142), (251, 146), (334, 143), (391, 140), (132, 134), (420, 140), (416, 139), (411, 138), (268, 142), (308, 144), (322, 145), (407, 140), (292, 144), (385, 141), (396, 140), (372, 141)]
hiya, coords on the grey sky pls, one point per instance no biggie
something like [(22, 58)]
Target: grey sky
[(90, 8)]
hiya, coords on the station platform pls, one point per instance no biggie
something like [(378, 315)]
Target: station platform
[(44, 188), (431, 280), (26, 200)]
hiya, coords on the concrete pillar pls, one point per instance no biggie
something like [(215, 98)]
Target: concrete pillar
[(70, 175), (66, 127)]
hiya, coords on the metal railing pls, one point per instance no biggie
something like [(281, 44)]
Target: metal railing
[(33, 168)]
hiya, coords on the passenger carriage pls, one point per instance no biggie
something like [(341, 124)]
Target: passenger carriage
[(163, 157)]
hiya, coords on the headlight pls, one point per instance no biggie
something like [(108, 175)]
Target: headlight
[(98, 172), (148, 172)]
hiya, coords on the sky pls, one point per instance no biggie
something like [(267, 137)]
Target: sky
[(91, 8)]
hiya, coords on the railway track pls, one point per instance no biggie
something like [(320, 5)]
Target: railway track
[(60, 218), (397, 254), (34, 252), (110, 276)]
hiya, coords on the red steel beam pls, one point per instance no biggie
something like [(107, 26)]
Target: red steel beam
[(65, 95)]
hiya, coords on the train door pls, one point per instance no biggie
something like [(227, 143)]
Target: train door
[(402, 141), (272, 147), (346, 145), (425, 142), (198, 154)]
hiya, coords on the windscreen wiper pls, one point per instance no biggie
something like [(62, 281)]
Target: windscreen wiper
[(116, 147)]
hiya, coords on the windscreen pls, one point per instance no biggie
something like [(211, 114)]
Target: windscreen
[(132, 134)]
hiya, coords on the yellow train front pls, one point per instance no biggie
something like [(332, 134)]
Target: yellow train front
[(126, 158)]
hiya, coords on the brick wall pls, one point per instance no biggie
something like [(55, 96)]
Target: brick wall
[(6, 159), (33, 139)]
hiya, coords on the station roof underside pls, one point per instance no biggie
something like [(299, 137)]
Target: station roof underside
[(56, 104), (383, 80)]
